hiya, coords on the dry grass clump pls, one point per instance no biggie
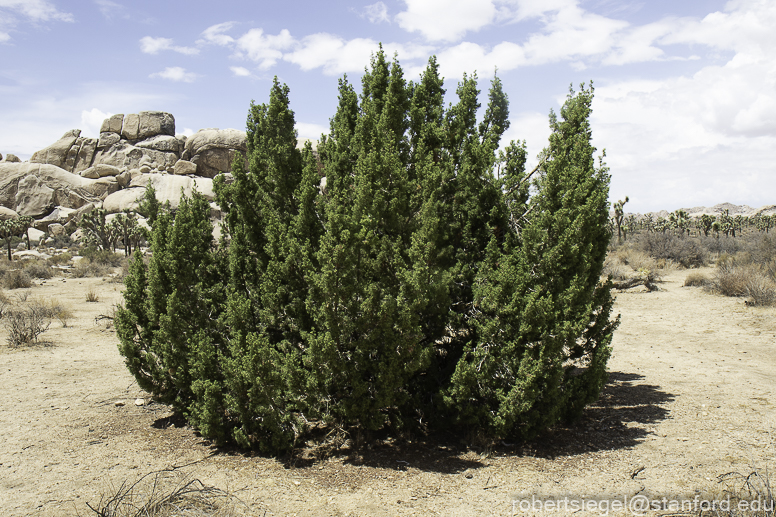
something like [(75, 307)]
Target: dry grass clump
[(92, 296), (38, 269), (97, 263), (62, 258), (696, 279), (24, 323), (86, 268), (739, 276), (56, 310), (166, 494), (16, 279)]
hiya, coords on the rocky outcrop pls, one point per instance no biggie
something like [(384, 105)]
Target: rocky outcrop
[(213, 150), (7, 213), (75, 174), (184, 167), (36, 189), (168, 189), (124, 155)]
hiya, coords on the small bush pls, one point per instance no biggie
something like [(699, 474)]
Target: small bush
[(696, 279), (615, 269), (25, 324), (37, 269), (86, 268), (58, 260), (730, 279), (102, 257), (750, 280), (56, 310), (17, 279), (686, 252), (92, 296), (760, 288)]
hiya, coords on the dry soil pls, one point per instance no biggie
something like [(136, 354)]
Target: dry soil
[(690, 397)]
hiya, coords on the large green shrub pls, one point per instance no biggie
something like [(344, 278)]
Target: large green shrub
[(423, 284)]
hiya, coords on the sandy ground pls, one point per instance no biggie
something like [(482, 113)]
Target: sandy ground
[(690, 397)]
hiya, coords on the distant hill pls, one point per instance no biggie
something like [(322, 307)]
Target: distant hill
[(744, 210)]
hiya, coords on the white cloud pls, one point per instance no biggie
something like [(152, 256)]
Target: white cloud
[(36, 10), (264, 49), (336, 55), (150, 45), (377, 12), (175, 73), (187, 131), (91, 122), (239, 71), (110, 9), (446, 20), (332, 53), (703, 138), (311, 131), (215, 34)]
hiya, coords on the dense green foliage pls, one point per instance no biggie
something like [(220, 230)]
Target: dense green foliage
[(405, 275)]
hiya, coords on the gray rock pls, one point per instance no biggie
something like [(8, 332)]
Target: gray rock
[(213, 150), (131, 126), (108, 139), (85, 155), (168, 187), (60, 215), (112, 124), (22, 246), (103, 170), (33, 197), (7, 213), (35, 236), (124, 178), (90, 173), (31, 254), (12, 158), (145, 169), (56, 153), (184, 167), (56, 229), (152, 123), (125, 199), (69, 190), (165, 143), (126, 156)]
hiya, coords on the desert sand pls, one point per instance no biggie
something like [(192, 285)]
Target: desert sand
[(690, 397)]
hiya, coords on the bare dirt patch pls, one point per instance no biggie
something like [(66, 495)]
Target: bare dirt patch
[(690, 397)]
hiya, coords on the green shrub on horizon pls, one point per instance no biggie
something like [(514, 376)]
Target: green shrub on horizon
[(419, 290)]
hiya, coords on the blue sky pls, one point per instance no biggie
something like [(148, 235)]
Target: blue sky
[(685, 91)]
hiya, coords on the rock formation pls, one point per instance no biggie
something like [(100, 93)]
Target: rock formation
[(76, 174)]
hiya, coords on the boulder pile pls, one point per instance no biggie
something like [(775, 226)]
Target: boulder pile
[(75, 174)]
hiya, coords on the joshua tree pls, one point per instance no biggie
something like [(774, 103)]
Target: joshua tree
[(16, 227), (704, 223), (619, 214), (679, 220)]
